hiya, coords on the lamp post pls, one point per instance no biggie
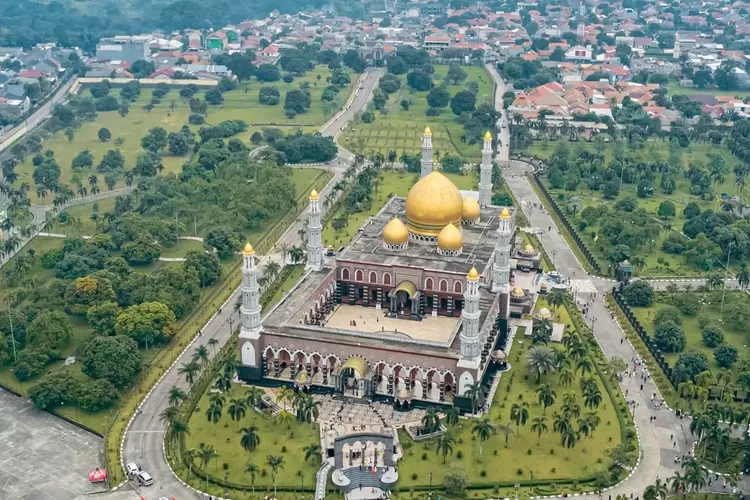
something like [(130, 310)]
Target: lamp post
[(726, 275)]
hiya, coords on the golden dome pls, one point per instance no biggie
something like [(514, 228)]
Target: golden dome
[(473, 274), (432, 203), (450, 238), (395, 232), (518, 292), (505, 214), (248, 250), (487, 136), (528, 248), (314, 195), (544, 313), (427, 131), (471, 209)]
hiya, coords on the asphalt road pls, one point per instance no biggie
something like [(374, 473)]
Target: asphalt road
[(145, 437)]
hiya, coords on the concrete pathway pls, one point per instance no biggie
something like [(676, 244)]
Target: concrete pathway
[(657, 449), (144, 439)]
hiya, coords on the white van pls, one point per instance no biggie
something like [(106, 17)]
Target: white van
[(144, 478)]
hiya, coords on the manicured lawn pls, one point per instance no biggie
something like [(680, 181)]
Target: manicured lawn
[(401, 130), (523, 453), (710, 310), (172, 113), (674, 89), (658, 263), (393, 182), (181, 248), (83, 213), (286, 442)]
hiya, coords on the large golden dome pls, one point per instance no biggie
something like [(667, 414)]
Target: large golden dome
[(395, 232), (471, 209), (432, 203), (248, 250), (450, 238)]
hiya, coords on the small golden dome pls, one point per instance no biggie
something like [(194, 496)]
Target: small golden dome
[(518, 292), (432, 203), (427, 131), (487, 136), (473, 274), (450, 238), (248, 250), (395, 232), (544, 313), (314, 195), (471, 209), (528, 248), (505, 214)]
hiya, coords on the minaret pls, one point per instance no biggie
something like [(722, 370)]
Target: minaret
[(470, 316), (485, 172), (501, 263), (250, 307), (676, 53), (426, 152), (314, 243)]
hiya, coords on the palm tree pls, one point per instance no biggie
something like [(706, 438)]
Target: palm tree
[(565, 377), (250, 439), (556, 298), (452, 415), (200, 356), (254, 396), (723, 380), (444, 444), (577, 351), (189, 370), (285, 418), (213, 343), (169, 415), (546, 396), (519, 414), (539, 425), (252, 469), (312, 451), (592, 420), (223, 382), (592, 397), (177, 432), (686, 389), (696, 476), (541, 331), (656, 491), (284, 248), (721, 438), (205, 454), (568, 437), (284, 395), (213, 414), (237, 409), (483, 428), (476, 393), (677, 483), (430, 421), (638, 263), (540, 360), (743, 276), (271, 269), (276, 464), (585, 365)]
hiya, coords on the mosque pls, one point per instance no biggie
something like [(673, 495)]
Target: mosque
[(413, 310)]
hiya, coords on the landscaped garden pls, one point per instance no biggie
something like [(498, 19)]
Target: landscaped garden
[(663, 208), (402, 111), (552, 404)]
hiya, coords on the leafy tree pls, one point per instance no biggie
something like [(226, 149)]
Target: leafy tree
[(689, 365), (419, 80), (144, 250), (224, 240), (670, 337), (207, 266), (155, 140), (214, 97), (112, 160), (463, 101), (198, 106), (668, 313), (712, 336), (142, 68), (99, 90), (456, 75), (83, 293), (115, 359), (267, 73), (455, 482), (639, 294), (31, 362), (179, 144), (148, 164), (131, 90), (104, 134), (50, 330), (55, 389), (390, 83), (147, 323), (47, 174), (83, 160), (101, 317), (268, 96), (297, 100), (438, 97), (396, 65), (451, 164), (737, 314), (666, 209), (726, 355), (96, 395)]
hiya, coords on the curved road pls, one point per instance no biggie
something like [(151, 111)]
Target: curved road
[(144, 439)]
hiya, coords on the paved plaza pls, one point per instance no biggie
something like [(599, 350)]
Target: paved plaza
[(338, 411), (371, 320)]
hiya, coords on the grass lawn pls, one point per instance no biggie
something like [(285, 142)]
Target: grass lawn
[(401, 130), (658, 263), (393, 182), (172, 113), (524, 452), (710, 310), (181, 248), (674, 89), (287, 442), (83, 213)]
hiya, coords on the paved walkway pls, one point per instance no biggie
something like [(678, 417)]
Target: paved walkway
[(656, 447)]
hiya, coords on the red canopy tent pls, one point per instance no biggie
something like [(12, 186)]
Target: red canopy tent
[(98, 475)]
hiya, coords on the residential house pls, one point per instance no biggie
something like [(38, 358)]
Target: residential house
[(123, 48), (579, 53)]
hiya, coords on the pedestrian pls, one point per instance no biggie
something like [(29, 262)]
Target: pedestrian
[(641, 386), (621, 340)]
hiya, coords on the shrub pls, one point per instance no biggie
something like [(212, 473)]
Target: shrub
[(712, 336), (725, 355), (196, 119), (283, 449), (689, 365), (459, 454), (424, 456), (483, 473), (668, 313), (639, 294), (414, 476), (519, 471), (288, 78), (670, 337)]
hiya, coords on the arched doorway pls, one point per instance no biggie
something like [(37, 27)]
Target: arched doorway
[(404, 300), (354, 377)]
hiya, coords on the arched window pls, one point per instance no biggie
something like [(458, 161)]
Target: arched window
[(428, 284), (386, 279), (359, 275), (457, 287), (373, 277), (443, 285), (345, 274)]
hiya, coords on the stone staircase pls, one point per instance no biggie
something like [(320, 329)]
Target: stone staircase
[(363, 477)]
